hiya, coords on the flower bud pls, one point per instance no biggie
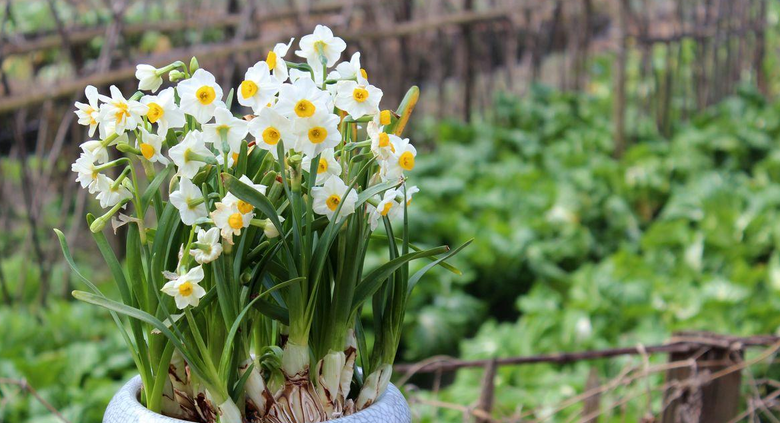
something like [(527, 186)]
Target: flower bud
[(127, 148), (270, 230), (176, 75), (194, 65)]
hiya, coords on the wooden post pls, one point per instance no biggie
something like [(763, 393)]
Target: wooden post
[(619, 78), (695, 399), (488, 389), (760, 49), (592, 405), (468, 59)]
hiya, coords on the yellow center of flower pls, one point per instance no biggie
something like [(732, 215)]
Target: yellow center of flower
[(386, 209), (236, 221), (121, 112), (248, 88), (363, 73), (319, 46), (244, 207), (235, 157), (323, 167), (333, 201), (406, 161), (317, 134), (384, 117), (360, 94), (155, 112), (384, 139), (206, 95), (304, 108), (147, 150), (271, 135), (185, 289), (271, 60)]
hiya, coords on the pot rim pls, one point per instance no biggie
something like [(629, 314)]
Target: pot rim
[(126, 402)]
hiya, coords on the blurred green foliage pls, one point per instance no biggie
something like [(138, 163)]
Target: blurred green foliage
[(593, 252)]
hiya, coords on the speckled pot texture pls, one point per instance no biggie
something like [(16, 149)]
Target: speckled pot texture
[(125, 408)]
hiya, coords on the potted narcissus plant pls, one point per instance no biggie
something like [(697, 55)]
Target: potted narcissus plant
[(244, 295)]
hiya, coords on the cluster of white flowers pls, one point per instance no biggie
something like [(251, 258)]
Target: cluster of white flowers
[(306, 107)]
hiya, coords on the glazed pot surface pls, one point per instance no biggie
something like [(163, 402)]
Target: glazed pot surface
[(125, 408)]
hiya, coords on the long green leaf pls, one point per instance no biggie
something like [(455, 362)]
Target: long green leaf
[(260, 201), (194, 361), (419, 274), (414, 247), (154, 187), (96, 290), (373, 281)]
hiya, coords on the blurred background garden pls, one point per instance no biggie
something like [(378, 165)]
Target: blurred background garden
[(616, 161)]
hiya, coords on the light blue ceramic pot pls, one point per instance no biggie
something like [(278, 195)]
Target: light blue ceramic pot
[(125, 408)]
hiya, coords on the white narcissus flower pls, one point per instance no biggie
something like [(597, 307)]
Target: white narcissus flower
[(381, 142), (358, 99), (89, 113), (402, 159), (269, 127), (241, 205), (125, 115), (228, 128), (148, 79), (275, 60), (257, 187), (349, 70), (163, 111), (258, 87), (321, 47), (327, 168), (185, 289), (200, 95), (328, 197), (109, 193), (97, 149), (190, 154), (229, 219), (151, 147), (317, 133), (188, 199), (207, 248), (87, 176), (388, 207), (409, 193), (296, 74), (302, 99)]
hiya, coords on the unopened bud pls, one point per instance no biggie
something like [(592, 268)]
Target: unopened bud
[(176, 75), (194, 65), (127, 148)]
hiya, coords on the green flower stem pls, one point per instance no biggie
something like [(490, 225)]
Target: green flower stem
[(109, 165), (191, 156), (172, 66), (127, 148), (187, 257), (192, 202), (121, 177), (101, 221), (137, 202), (109, 139)]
